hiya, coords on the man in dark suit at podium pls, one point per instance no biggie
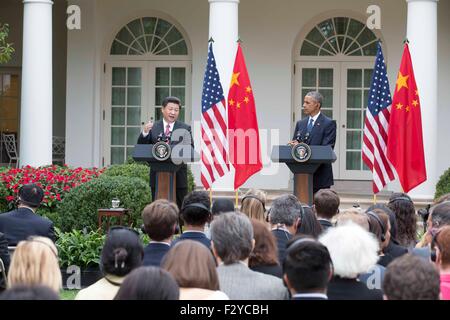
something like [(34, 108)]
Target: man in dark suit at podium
[(316, 129), (166, 128)]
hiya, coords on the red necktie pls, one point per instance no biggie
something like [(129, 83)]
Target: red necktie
[(167, 133)]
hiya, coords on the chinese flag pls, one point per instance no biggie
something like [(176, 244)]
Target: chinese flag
[(405, 141), (245, 149)]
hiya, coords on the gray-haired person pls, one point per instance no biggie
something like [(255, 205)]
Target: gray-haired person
[(316, 129), (232, 241)]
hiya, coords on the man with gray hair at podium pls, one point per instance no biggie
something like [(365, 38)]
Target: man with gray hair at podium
[(316, 129)]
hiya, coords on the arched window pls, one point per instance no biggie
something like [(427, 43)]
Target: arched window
[(342, 35), (149, 35)]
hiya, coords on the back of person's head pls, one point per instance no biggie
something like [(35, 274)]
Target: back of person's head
[(285, 210), (232, 237), (378, 225), (441, 199), (160, 219), (441, 244), (265, 251), (309, 225), (405, 212), (122, 252), (353, 250), (196, 207), (411, 278), (31, 195), (440, 215), (221, 206), (192, 265), (29, 293), (355, 215), (253, 204), (35, 262), (307, 266), (148, 283), (326, 203), (392, 219)]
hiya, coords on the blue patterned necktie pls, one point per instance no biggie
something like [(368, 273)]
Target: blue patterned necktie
[(310, 125)]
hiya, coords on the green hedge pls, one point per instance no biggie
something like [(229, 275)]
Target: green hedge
[(79, 208), (132, 170), (443, 185)]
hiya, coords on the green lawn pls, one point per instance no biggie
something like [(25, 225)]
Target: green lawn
[(68, 294)]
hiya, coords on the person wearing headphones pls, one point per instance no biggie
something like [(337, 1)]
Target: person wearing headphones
[(195, 213), (19, 224)]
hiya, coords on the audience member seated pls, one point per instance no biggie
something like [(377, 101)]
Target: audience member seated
[(35, 262), (219, 206), (326, 205), (232, 242), (307, 269), (264, 256), (309, 225), (193, 267), (195, 213), (29, 293), (253, 205), (411, 278), (148, 283), (394, 249), (353, 251), (284, 217), (19, 224), (122, 253), (160, 224), (441, 255), (379, 226), (4, 256), (405, 213)]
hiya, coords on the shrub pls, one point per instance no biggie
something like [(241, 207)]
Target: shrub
[(79, 208), (443, 185), (132, 170), (77, 248)]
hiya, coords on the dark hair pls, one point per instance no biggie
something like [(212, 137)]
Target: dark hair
[(309, 225), (441, 240), (326, 203), (440, 215), (221, 206), (265, 251), (307, 265), (160, 219), (192, 265), (405, 213), (122, 252), (392, 219), (29, 293), (411, 278), (31, 195), (168, 100), (196, 216), (148, 283)]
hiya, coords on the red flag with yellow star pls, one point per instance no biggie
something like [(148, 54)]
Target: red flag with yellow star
[(245, 149), (405, 141)]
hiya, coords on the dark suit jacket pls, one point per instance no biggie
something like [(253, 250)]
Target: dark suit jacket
[(395, 250), (273, 270), (154, 253), (4, 255), (282, 239), (351, 289), (18, 225), (195, 236), (323, 134), (152, 138)]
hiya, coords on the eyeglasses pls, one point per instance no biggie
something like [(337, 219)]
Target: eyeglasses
[(115, 228)]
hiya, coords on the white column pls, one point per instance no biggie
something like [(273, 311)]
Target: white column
[(422, 36), (37, 82), (223, 28)]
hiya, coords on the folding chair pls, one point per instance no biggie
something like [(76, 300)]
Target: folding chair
[(9, 140)]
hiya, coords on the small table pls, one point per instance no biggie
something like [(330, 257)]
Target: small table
[(113, 212)]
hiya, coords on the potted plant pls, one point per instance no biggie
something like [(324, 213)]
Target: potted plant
[(79, 250)]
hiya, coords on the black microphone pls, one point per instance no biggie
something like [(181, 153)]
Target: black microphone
[(298, 136), (160, 137), (306, 140)]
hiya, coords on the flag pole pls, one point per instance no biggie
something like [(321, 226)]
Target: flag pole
[(210, 195), (237, 198), (374, 198)]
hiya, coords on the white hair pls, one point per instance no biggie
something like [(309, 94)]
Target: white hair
[(353, 250)]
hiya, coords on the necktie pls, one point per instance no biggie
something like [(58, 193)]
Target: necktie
[(167, 133), (310, 125)]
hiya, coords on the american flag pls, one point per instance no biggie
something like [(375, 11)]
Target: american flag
[(376, 126), (214, 148)]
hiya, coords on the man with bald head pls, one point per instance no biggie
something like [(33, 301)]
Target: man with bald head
[(316, 129)]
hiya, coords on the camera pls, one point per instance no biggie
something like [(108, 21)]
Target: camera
[(424, 214)]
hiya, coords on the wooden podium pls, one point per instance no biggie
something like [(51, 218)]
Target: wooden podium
[(166, 181), (304, 171)]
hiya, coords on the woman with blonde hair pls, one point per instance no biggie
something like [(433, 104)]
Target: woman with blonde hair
[(253, 205), (35, 262)]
